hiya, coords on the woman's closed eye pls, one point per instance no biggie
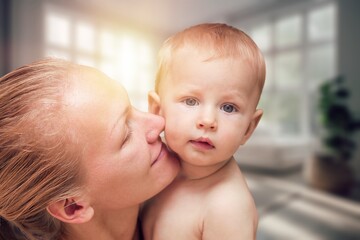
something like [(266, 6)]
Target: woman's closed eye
[(229, 108), (127, 135)]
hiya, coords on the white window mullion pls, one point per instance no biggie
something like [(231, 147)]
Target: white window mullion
[(305, 106)]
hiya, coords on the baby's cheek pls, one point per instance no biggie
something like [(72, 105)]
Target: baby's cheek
[(172, 137), (173, 122), (170, 133), (234, 140)]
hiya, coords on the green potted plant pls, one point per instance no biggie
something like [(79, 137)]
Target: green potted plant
[(328, 169)]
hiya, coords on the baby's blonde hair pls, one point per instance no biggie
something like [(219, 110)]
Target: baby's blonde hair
[(39, 160), (218, 41)]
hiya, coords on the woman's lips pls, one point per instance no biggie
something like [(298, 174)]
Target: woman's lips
[(162, 152)]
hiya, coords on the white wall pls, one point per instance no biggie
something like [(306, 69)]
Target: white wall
[(26, 31), (20, 33), (4, 36)]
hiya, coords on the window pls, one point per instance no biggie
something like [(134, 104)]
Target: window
[(300, 50), (288, 31), (57, 35), (123, 55)]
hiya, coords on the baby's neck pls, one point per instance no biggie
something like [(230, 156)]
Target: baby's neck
[(193, 172)]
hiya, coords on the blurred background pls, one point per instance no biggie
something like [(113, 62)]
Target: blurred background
[(307, 45)]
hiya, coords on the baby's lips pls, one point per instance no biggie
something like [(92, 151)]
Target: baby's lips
[(204, 140)]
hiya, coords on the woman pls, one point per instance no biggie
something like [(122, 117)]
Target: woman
[(76, 159)]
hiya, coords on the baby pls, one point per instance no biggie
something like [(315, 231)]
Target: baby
[(208, 85)]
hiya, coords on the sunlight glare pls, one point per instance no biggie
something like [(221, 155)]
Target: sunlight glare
[(57, 29)]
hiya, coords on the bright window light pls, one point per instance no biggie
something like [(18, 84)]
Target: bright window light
[(87, 61), (321, 63), (287, 69), (123, 55), (57, 30), (107, 44), (322, 23), (57, 53), (85, 37), (262, 36), (300, 53), (288, 31), (128, 62)]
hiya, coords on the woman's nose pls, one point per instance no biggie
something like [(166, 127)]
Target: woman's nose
[(153, 125)]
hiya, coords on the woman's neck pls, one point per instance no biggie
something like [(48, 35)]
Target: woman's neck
[(107, 225)]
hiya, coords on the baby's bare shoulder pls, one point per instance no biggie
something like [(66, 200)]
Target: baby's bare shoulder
[(231, 213), (231, 203), (231, 192)]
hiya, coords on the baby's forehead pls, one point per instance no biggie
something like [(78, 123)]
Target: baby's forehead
[(190, 53)]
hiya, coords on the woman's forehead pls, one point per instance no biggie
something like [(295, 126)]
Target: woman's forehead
[(92, 91), (94, 103)]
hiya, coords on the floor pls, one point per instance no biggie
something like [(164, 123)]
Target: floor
[(289, 210)]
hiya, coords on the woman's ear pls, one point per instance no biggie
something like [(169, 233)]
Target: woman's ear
[(154, 103), (252, 126), (71, 210)]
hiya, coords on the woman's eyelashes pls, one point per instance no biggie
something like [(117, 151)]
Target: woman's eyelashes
[(128, 134)]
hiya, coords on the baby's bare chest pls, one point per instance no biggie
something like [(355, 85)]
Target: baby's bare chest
[(178, 215), (183, 208)]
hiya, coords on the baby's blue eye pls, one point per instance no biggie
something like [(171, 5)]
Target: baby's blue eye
[(191, 102), (228, 108)]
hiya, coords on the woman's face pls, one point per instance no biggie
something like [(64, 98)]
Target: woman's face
[(124, 159)]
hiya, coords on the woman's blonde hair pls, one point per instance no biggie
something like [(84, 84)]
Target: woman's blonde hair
[(216, 40), (39, 157)]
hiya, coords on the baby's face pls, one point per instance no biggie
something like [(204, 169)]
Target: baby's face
[(208, 106)]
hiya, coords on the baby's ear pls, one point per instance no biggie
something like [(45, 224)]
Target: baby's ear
[(252, 126), (71, 210), (154, 103)]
